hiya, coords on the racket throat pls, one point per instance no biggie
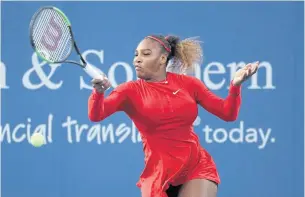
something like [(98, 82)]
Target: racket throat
[(84, 63)]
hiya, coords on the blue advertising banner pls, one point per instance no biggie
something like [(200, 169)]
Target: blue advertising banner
[(259, 154)]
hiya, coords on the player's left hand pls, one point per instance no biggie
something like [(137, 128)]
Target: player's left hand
[(245, 73)]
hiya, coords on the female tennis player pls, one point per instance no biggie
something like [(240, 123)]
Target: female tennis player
[(163, 106)]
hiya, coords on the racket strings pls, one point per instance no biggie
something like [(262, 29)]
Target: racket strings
[(66, 40), (51, 36), (54, 31)]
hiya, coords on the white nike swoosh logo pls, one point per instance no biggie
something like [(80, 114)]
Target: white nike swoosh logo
[(176, 91)]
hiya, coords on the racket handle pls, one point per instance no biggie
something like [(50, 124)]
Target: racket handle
[(93, 72)]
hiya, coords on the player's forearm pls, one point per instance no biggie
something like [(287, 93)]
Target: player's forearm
[(231, 105), (96, 107), (226, 109)]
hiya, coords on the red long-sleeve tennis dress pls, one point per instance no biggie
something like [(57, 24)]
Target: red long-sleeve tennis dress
[(164, 112)]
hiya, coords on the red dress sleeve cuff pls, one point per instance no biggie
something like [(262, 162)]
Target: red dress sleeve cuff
[(234, 89), (96, 94)]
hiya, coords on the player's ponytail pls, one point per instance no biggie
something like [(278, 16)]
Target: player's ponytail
[(185, 54)]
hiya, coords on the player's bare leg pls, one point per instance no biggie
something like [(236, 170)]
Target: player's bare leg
[(198, 188)]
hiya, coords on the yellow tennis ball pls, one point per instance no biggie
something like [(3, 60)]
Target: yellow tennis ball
[(37, 139)]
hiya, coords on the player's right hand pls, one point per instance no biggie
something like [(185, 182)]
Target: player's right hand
[(101, 85)]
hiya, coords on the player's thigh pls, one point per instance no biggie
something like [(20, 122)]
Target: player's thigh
[(198, 188)]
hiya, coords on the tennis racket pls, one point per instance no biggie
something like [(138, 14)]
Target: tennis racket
[(52, 39)]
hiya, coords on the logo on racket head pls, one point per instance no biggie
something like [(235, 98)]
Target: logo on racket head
[(52, 35)]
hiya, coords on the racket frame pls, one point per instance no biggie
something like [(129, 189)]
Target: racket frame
[(67, 21)]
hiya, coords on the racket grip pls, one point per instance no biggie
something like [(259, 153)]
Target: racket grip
[(93, 72)]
